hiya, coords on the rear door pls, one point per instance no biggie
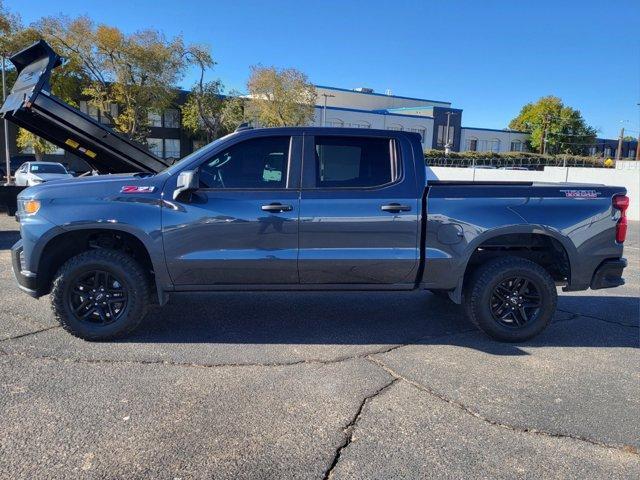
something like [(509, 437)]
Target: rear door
[(359, 211), (241, 226)]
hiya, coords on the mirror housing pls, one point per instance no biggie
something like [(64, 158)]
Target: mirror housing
[(187, 183)]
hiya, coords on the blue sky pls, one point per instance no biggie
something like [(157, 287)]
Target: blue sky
[(487, 57)]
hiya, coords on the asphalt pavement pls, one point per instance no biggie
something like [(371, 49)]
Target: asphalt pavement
[(321, 385)]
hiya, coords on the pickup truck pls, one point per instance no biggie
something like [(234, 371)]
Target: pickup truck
[(299, 209)]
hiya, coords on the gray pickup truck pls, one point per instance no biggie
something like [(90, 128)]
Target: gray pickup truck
[(301, 209)]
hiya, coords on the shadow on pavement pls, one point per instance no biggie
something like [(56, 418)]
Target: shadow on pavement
[(8, 238), (357, 319)]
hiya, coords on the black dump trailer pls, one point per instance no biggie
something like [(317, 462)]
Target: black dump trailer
[(31, 105)]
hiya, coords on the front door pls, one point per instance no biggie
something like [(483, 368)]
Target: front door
[(241, 226), (359, 212)]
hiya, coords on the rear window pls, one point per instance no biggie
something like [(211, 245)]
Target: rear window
[(354, 162), (47, 168)]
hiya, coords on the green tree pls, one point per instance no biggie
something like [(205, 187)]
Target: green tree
[(29, 141), (138, 72), (550, 121), (280, 97)]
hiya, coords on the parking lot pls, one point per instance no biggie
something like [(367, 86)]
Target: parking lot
[(321, 385)]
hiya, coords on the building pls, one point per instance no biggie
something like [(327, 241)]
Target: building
[(357, 108)]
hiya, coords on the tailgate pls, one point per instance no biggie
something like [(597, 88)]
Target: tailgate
[(31, 106)]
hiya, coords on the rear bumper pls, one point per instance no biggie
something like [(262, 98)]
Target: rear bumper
[(609, 274), (27, 281)]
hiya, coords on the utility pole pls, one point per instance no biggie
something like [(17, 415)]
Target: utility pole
[(6, 128), (324, 108), (619, 150)]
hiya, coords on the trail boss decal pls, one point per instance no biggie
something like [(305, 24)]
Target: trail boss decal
[(137, 189), (581, 193)]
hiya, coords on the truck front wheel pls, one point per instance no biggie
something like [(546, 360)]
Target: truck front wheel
[(100, 294), (511, 299)]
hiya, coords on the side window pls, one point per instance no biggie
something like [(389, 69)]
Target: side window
[(256, 163), (354, 162)]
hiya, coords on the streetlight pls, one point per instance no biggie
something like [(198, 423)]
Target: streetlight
[(6, 127), (447, 143), (324, 108)]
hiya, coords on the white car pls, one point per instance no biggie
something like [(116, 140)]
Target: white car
[(35, 173)]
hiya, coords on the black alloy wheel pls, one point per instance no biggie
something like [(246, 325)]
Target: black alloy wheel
[(515, 302)]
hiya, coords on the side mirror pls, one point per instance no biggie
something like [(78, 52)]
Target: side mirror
[(187, 182)]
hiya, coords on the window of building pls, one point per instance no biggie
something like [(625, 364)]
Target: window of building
[(155, 120), (172, 118), (354, 162), (632, 153), (516, 146), (472, 145), (442, 135), (256, 163), (494, 146), (607, 152), (155, 146), (593, 151), (172, 148)]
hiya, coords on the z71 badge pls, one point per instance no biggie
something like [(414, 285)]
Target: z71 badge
[(137, 189), (581, 193)]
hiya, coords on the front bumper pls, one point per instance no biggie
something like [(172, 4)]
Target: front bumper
[(609, 274), (27, 281)]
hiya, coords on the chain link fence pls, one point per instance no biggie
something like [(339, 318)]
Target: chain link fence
[(523, 163)]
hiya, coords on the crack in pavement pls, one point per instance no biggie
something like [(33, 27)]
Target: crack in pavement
[(29, 333), (314, 361), (350, 427), (629, 449), (613, 322)]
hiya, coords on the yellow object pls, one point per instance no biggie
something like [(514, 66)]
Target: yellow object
[(608, 162), (72, 143), (31, 206), (91, 153)]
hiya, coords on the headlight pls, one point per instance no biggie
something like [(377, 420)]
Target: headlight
[(29, 206)]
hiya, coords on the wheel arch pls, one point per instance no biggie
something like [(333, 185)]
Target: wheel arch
[(69, 242), (494, 237)]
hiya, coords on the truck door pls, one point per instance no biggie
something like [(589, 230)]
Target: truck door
[(241, 226), (359, 212)]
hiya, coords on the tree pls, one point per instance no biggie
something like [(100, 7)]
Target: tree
[(280, 97), (28, 140), (138, 72), (561, 127)]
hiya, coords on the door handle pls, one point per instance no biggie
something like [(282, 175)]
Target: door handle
[(395, 208), (276, 207)]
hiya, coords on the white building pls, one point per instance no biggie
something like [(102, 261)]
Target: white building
[(364, 108), (490, 140)]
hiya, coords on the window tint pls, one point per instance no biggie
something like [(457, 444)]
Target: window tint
[(256, 163), (354, 162)]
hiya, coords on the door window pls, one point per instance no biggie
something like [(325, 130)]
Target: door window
[(354, 162), (256, 163)]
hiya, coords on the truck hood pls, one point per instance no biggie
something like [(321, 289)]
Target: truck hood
[(91, 186)]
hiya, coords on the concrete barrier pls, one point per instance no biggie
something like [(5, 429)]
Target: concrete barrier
[(626, 174)]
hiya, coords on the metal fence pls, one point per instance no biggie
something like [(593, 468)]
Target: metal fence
[(523, 163)]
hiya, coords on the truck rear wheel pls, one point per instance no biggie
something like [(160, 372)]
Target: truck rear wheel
[(511, 299), (100, 295)]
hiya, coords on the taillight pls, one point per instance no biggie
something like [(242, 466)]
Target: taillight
[(621, 202)]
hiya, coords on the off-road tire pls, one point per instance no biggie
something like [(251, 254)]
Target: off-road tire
[(478, 293), (126, 269)]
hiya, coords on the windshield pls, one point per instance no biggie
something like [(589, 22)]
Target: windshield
[(201, 151), (47, 168)]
